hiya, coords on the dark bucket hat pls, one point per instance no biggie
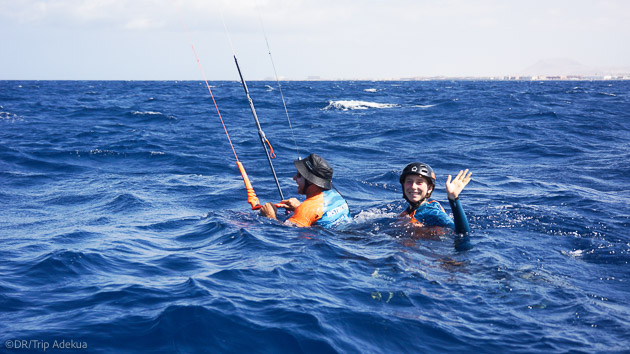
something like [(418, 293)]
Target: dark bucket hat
[(315, 170)]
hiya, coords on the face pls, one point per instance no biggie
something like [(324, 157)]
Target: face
[(301, 183), (417, 188)]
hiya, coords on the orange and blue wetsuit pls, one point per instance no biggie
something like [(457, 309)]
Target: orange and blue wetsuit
[(431, 213), (324, 208)]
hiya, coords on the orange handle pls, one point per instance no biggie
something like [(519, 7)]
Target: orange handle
[(252, 199), (260, 206)]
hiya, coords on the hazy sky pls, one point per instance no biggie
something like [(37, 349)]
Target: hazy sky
[(336, 39)]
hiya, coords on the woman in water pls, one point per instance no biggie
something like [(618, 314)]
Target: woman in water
[(418, 181)]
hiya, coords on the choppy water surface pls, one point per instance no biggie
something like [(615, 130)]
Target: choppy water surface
[(125, 225)]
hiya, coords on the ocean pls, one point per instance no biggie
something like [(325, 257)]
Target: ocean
[(124, 223)]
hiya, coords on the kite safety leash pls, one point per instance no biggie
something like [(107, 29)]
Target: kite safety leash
[(261, 134), (252, 199), (275, 72)]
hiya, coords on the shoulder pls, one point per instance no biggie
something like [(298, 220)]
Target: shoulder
[(332, 197), (331, 194), (313, 200), (434, 205), (309, 211), (432, 214)]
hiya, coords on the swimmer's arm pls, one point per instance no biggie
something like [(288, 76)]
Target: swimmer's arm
[(289, 204), (270, 210), (453, 189), (300, 218), (459, 217)]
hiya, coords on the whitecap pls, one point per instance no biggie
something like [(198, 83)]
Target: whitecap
[(352, 105), (146, 113), (6, 115), (99, 152), (424, 106), (576, 253), (370, 90), (374, 213)]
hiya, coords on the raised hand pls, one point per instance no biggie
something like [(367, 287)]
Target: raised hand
[(453, 188)]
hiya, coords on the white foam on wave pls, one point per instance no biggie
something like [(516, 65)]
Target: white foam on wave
[(352, 105), (100, 152), (424, 106), (8, 115), (371, 90), (577, 253), (146, 113), (374, 213)]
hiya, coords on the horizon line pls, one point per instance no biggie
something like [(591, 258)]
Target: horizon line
[(418, 78)]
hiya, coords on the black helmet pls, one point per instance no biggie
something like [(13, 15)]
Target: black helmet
[(315, 170), (418, 168)]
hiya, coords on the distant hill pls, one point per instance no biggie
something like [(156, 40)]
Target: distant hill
[(567, 67)]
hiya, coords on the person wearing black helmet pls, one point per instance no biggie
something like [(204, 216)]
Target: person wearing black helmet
[(323, 206), (418, 182)]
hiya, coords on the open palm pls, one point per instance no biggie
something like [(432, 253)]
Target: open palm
[(454, 187)]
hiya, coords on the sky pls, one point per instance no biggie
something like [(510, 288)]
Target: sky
[(329, 39)]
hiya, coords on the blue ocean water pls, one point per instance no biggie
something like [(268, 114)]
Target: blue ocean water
[(124, 225)]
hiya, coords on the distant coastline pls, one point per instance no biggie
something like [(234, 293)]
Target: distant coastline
[(416, 78), (475, 78)]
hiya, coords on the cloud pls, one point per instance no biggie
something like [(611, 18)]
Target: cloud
[(86, 14), (329, 38)]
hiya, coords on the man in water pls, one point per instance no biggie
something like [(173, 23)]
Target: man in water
[(323, 205), (418, 181)]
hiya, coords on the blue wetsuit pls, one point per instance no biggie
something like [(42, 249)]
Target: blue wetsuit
[(431, 213)]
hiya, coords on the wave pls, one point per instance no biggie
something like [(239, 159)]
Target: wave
[(347, 105), (124, 203), (374, 214), (146, 113), (8, 116), (152, 114), (61, 264)]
